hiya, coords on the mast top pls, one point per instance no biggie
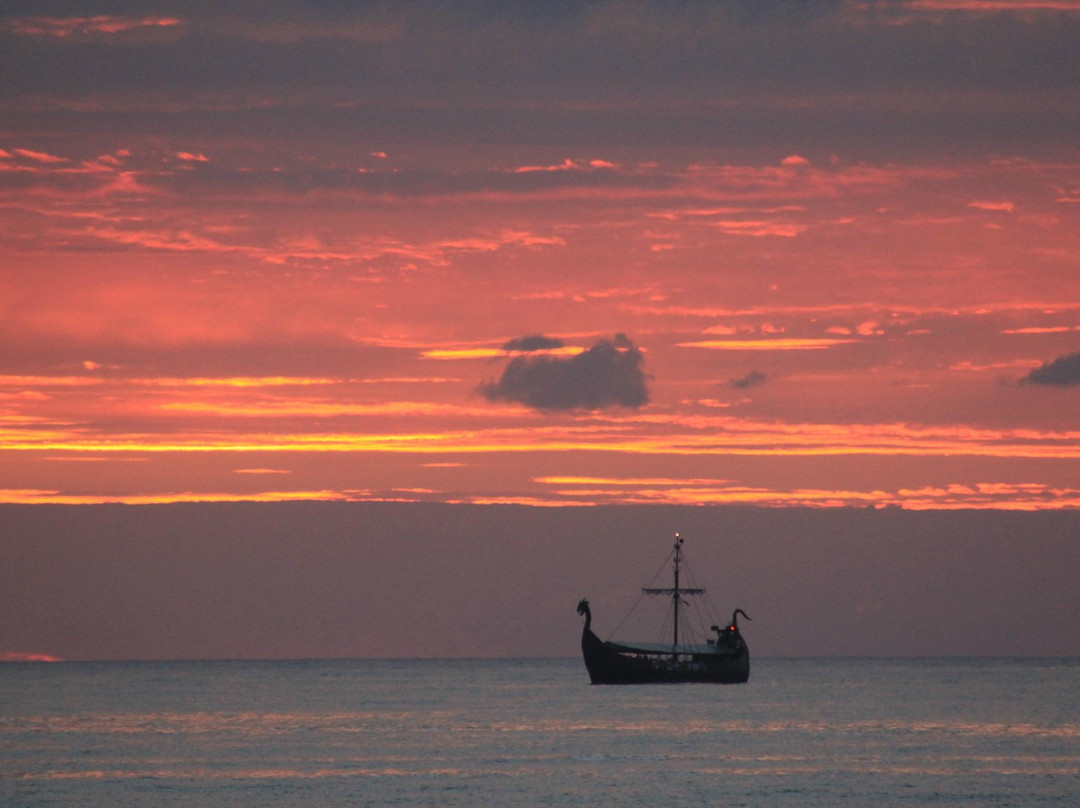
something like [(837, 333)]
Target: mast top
[(676, 593), (675, 590)]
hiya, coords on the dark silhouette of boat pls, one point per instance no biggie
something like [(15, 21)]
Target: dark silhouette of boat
[(724, 659)]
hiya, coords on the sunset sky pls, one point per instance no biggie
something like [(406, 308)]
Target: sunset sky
[(819, 253), (311, 280)]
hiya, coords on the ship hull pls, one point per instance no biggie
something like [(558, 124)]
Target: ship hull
[(610, 665)]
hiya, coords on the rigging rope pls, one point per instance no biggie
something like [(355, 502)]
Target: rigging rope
[(626, 616), (641, 596), (703, 611)]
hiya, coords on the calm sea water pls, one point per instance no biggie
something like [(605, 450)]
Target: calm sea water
[(534, 733)]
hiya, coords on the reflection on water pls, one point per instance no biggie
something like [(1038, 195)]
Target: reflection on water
[(820, 732)]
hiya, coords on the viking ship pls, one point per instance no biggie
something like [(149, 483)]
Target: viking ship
[(723, 659)]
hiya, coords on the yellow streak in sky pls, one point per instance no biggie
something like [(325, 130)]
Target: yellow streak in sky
[(325, 409), (48, 381), (1022, 497), (36, 497), (1014, 496), (787, 344), (633, 481), (462, 353), (765, 444), (647, 433), (238, 381), (490, 353), (725, 496)]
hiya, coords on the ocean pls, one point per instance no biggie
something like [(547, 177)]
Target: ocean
[(313, 734)]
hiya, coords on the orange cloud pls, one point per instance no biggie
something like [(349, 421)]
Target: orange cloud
[(40, 157)]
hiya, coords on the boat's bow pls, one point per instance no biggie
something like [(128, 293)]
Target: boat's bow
[(592, 647)]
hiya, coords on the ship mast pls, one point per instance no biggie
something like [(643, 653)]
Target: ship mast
[(676, 592)]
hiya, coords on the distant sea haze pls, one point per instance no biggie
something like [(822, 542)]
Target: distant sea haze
[(412, 580)]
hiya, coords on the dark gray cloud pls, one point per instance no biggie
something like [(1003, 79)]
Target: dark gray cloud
[(177, 177), (1062, 372), (717, 71), (609, 374), (751, 379), (537, 342), (299, 180), (422, 49)]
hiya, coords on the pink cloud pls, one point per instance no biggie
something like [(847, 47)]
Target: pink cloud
[(723, 330), (62, 27), (41, 157), (27, 656), (790, 182), (991, 6)]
